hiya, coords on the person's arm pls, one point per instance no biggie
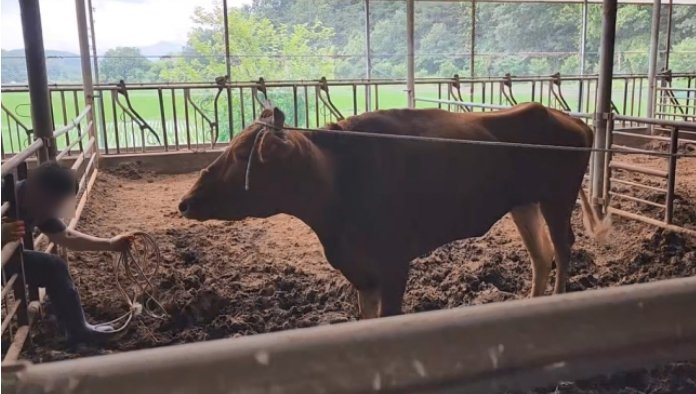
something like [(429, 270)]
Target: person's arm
[(75, 240)]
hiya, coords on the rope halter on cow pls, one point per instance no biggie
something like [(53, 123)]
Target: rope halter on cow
[(270, 123)]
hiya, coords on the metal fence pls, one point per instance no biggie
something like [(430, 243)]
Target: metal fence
[(21, 301), (164, 117)]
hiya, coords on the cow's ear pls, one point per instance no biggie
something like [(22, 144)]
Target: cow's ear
[(274, 146), (278, 118)]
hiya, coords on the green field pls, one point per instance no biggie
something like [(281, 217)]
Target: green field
[(147, 104)]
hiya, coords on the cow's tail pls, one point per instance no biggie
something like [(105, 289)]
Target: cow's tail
[(598, 228)]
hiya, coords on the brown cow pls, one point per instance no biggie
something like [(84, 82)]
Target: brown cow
[(376, 204)]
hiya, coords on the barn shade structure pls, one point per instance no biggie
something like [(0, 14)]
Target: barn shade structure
[(512, 345)]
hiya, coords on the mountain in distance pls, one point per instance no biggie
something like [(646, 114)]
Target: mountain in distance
[(62, 66), (162, 48)]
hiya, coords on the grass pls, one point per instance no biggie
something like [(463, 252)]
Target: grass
[(147, 104)]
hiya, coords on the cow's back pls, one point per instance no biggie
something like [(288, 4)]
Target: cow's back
[(416, 195)]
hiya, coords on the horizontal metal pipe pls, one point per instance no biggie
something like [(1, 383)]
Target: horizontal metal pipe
[(658, 122), (642, 170), (8, 286), (17, 344), (8, 250), (12, 163), (12, 310), (619, 148), (654, 222), (67, 149), (88, 148), (636, 199), (642, 136), (640, 185), (78, 161), (486, 348), (72, 123)]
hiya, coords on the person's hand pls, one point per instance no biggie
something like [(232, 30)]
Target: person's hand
[(13, 231), (122, 242)]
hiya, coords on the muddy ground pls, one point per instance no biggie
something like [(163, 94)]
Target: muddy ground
[(224, 279)]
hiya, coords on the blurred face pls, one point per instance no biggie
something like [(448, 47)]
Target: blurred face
[(43, 204)]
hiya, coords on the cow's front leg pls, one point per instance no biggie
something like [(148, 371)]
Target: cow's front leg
[(369, 302), (392, 287)]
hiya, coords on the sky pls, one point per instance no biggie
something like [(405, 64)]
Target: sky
[(117, 22)]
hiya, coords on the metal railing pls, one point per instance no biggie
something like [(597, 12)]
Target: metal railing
[(514, 345), (139, 118), (21, 300)]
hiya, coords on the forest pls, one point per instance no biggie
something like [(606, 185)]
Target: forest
[(307, 39)]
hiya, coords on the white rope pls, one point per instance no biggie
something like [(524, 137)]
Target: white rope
[(134, 264), (475, 142)]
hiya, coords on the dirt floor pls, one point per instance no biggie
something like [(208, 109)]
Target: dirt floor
[(227, 279)]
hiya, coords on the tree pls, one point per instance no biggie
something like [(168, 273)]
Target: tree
[(126, 63)]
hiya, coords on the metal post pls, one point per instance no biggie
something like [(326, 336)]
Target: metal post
[(95, 63), (606, 69), (583, 45), (368, 55), (668, 50), (652, 61), (472, 50), (228, 66), (39, 95), (87, 85), (410, 5)]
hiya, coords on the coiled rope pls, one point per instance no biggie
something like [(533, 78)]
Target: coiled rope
[(133, 273)]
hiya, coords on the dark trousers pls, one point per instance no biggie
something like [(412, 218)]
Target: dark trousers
[(51, 272)]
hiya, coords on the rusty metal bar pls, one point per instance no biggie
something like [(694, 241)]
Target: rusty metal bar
[(657, 223), (671, 175), (636, 199), (640, 185), (8, 286), (11, 311), (642, 170), (479, 349), (10, 164)]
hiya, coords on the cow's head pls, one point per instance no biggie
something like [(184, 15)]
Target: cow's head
[(265, 170)]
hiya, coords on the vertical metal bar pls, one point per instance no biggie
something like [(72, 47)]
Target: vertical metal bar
[(37, 77), (671, 175), (410, 58), (606, 66), (306, 100), (9, 133), (652, 60), (87, 84), (625, 96), (355, 97), (95, 65), (669, 34), (316, 105), (472, 49), (439, 94), (186, 118), (583, 45), (376, 97), (294, 105), (241, 103), (164, 120), (77, 113), (115, 116), (368, 53), (50, 104), (367, 93), (228, 67), (28, 240), (176, 121), (533, 90), (64, 111)]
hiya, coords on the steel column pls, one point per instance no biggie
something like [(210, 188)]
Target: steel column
[(601, 121), (37, 77), (228, 67), (583, 45), (368, 55), (668, 50), (87, 84), (472, 50), (410, 36), (652, 61)]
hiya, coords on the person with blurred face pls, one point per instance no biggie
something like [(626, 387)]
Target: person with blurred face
[(45, 197)]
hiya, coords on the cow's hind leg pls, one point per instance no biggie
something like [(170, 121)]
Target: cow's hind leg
[(368, 302), (557, 215), (531, 226)]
